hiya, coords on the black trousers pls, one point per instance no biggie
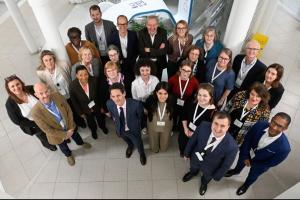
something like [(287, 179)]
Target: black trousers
[(133, 140), (43, 138), (182, 140), (172, 68), (204, 179), (64, 146), (100, 118), (79, 121)]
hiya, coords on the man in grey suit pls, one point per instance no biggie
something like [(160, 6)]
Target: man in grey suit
[(211, 150), (98, 31)]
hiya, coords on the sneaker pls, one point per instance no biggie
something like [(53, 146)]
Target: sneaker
[(87, 145), (71, 160), (144, 131)]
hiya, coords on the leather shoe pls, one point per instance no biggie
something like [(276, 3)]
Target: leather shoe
[(143, 159), (188, 176), (241, 190), (52, 147), (105, 130), (202, 189), (68, 140), (230, 173), (128, 152), (94, 135)]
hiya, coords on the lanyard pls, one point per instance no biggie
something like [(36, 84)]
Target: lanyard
[(244, 113), (213, 75), (161, 116), (76, 48), (210, 145), (184, 89), (179, 47), (206, 49), (195, 118), (99, 33)]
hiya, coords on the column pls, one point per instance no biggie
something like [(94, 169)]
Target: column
[(240, 18), (21, 25), (49, 27)]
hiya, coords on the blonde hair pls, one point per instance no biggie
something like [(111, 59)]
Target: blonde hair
[(81, 51), (111, 65)]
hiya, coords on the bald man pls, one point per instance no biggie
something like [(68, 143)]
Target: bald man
[(53, 115), (248, 69)]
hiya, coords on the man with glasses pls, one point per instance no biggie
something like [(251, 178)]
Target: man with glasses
[(265, 146), (247, 67), (76, 43), (127, 42)]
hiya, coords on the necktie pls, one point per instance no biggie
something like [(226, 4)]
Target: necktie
[(210, 148), (122, 121)]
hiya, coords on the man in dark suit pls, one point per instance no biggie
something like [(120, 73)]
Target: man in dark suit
[(247, 67), (85, 97), (211, 150), (127, 115), (98, 31), (127, 42), (153, 44), (265, 146)]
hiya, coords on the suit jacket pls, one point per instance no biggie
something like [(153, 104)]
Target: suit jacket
[(80, 100), (90, 32), (14, 113), (134, 114), (269, 156), (256, 73), (97, 69), (47, 122), (216, 163), (155, 51)]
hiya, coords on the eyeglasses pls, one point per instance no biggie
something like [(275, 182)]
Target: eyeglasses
[(10, 78), (273, 123), (252, 49), (186, 71), (124, 24), (181, 28), (222, 58), (112, 55)]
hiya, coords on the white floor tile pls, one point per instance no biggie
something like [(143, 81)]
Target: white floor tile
[(140, 189), (92, 170), (136, 171), (165, 189), (65, 190), (91, 190), (163, 168), (67, 173), (116, 169), (115, 190), (42, 191)]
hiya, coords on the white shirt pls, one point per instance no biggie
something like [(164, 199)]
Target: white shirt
[(152, 38), (245, 68), (141, 91), (266, 140), (124, 109), (217, 142), (123, 41), (26, 107), (60, 83)]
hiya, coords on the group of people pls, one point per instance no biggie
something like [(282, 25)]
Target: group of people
[(219, 105)]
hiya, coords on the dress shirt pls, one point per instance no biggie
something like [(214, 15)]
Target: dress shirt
[(124, 109), (265, 140), (124, 41), (100, 33), (140, 90), (152, 37), (245, 68), (26, 107), (217, 142), (60, 83), (53, 109)]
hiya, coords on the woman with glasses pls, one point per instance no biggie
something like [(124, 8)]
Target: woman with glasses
[(210, 44), (194, 112), (183, 86), (93, 65), (178, 43), (221, 76), (246, 108), (56, 74), (18, 105), (273, 75)]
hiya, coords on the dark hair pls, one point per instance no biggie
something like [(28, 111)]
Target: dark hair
[(222, 115), (228, 52), (123, 17), (261, 91), (117, 86), (186, 63), (154, 100), (279, 68), (192, 48), (74, 30), (142, 62), (43, 54), (81, 67), (10, 94), (95, 7), (285, 116), (209, 88)]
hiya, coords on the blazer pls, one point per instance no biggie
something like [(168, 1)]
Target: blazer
[(216, 163), (256, 73), (269, 156), (47, 122), (80, 100), (155, 51), (96, 65), (14, 113), (90, 32), (134, 114)]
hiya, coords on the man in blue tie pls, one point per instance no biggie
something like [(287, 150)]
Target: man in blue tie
[(265, 146), (127, 115), (53, 115), (211, 150)]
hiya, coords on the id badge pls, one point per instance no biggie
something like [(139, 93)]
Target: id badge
[(159, 123), (238, 123), (91, 104), (180, 102), (252, 154), (192, 126), (200, 158), (238, 83)]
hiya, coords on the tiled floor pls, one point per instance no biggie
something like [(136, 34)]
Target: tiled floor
[(29, 171)]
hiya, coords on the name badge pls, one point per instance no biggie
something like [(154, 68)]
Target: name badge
[(91, 104), (180, 102), (252, 154), (238, 123), (238, 82), (159, 123), (192, 126), (200, 158)]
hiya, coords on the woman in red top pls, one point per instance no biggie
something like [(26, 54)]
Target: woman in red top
[(183, 86)]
